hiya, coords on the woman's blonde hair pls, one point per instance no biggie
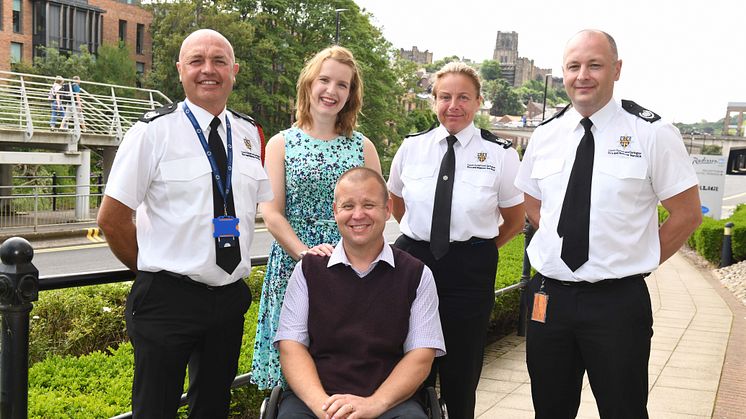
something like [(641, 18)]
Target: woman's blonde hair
[(457, 67), (347, 117)]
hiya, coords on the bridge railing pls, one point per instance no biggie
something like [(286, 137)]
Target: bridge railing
[(105, 109)]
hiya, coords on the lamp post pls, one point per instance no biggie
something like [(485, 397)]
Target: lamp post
[(544, 106), (336, 38)]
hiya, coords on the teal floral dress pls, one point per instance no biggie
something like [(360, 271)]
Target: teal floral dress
[(312, 168)]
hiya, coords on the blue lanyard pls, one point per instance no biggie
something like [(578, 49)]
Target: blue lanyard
[(224, 190)]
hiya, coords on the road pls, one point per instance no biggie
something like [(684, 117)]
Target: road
[(94, 257)]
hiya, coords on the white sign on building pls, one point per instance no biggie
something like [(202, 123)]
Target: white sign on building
[(711, 174)]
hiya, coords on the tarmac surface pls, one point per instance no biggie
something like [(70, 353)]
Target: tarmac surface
[(697, 364)]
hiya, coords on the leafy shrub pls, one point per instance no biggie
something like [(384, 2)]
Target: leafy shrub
[(78, 321)]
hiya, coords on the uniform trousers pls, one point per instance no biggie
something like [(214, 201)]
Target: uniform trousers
[(173, 322), (603, 328), (465, 278), (292, 407)]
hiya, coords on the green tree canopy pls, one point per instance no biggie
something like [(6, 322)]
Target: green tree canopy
[(490, 70), (272, 39), (437, 65), (505, 100)]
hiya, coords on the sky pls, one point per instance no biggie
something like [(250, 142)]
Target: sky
[(683, 59)]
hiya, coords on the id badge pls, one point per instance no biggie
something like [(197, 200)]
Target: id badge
[(225, 229), (539, 312)]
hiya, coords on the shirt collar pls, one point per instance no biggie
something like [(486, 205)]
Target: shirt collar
[(339, 256), (601, 118), (204, 117), (463, 136)]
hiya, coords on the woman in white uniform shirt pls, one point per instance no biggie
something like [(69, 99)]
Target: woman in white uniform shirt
[(482, 193)]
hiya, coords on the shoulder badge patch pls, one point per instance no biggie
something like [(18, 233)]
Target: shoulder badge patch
[(422, 132), (156, 113), (555, 116), (639, 111), (487, 135), (243, 116)]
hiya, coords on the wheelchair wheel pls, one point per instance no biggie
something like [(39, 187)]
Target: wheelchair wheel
[(434, 407), (271, 404)]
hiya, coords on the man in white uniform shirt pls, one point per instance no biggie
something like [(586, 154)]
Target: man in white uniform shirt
[(190, 243), (593, 176)]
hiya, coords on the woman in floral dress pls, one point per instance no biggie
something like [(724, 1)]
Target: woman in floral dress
[(303, 164)]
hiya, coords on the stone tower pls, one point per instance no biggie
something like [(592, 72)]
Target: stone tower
[(506, 48)]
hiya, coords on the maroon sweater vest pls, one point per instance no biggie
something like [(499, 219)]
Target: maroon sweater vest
[(357, 326)]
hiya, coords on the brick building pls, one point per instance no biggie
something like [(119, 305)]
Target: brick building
[(71, 24)]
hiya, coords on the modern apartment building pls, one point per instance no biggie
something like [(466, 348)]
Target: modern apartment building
[(69, 25)]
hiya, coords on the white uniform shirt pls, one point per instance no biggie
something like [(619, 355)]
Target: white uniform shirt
[(483, 182), (636, 164), (161, 170)]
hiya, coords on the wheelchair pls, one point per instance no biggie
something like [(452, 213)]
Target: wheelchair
[(434, 407)]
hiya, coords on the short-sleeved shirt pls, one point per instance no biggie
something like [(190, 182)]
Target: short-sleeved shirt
[(636, 164), (424, 321), (483, 183), (162, 171)]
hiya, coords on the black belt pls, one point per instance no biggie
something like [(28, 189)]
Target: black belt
[(190, 281), (471, 242), (602, 282)]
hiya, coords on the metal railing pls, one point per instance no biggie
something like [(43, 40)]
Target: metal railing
[(45, 205), (20, 284), (103, 109)]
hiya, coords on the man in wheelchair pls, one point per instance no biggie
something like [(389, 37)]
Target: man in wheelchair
[(359, 326)]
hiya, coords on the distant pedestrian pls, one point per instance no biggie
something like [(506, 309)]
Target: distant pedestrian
[(593, 176), (55, 102), (73, 103)]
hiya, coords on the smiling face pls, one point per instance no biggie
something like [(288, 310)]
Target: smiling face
[(590, 69), (207, 70), (361, 208), (330, 89), (457, 100)]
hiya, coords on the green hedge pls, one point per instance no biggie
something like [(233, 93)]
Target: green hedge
[(707, 240), (82, 362)]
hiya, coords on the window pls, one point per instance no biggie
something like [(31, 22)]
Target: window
[(17, 27), (16, 52), (123, 31), (140, 38), (140, 67)]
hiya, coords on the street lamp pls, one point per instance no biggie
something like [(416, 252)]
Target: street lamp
[(336, 38), (544, 107)]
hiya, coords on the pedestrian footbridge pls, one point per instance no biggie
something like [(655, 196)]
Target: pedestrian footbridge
[(95, 119)]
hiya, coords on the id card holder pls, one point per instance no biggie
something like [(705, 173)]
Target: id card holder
[(539, 312), (225, 229)]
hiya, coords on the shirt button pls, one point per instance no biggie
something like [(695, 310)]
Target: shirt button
[(445, 177)]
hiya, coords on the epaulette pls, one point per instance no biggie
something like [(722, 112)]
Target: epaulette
[(243, 116), (487, 135), (422, 132), (639, 111), (258, 128), (557, 115), (157, 113)]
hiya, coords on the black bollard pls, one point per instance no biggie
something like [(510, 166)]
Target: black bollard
[(525, 278), (19, 286), (726, 256)]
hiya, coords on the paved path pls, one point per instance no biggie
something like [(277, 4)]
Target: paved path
[(692, 327)]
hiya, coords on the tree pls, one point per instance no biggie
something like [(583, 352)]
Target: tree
[(432, 68), (505, 101), (482, 121), (490, 70), (272, 39)]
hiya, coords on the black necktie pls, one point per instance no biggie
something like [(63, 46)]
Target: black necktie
[(441, 225), (576, 208), (226, 257)]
